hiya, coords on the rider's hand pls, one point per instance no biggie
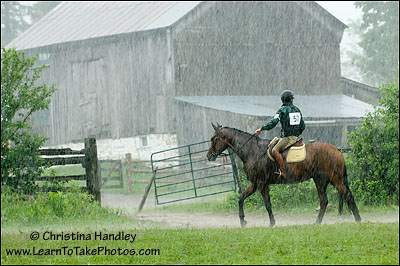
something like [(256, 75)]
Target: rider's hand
[(258, 131)]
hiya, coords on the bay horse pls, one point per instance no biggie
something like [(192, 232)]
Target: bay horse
[(324, 163)]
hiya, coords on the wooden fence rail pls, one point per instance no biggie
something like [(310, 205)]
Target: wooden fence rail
[(88, 160)]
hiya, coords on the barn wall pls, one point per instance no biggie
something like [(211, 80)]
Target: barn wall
[(359, 91), (112, 87), (122, 86), (195, 125), (257, 48)]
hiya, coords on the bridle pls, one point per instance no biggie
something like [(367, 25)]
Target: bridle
[(213, 153)]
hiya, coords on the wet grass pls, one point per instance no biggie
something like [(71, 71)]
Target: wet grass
[(346, 243), (354, 243)]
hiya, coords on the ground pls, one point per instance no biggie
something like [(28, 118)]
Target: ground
[(129, 205)]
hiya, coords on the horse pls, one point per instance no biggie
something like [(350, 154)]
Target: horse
[(324, 163)]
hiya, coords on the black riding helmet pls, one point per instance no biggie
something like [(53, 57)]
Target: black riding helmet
[(286, 96)]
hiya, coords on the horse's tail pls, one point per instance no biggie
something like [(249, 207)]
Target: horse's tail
[(346, 184)]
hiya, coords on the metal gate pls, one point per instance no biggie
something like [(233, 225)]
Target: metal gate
[(184, 173)]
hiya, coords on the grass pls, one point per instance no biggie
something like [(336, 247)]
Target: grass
[(354, 243), (363, 243), (346, 243)]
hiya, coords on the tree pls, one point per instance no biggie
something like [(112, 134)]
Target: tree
[(20, 98), (375, 150), (41, 8), (379, 40), (16, 17), (13, 20)]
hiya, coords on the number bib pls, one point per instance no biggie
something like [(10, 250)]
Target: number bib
[(294, 119)]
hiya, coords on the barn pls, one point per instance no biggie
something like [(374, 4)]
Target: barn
[(127, 69)]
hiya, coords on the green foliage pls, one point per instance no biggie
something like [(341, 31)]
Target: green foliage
[(20, 98), (16, 17), (283, 196), (379, 40), (13, 20), (326, 244), (375, 151), (50, 206)]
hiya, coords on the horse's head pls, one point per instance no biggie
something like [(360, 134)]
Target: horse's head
[(218, 144)]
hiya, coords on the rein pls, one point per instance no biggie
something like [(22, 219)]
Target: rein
[(251, 165), (232, 147), (248, 168), (246, 142)]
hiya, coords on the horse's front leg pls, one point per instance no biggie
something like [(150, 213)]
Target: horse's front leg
[(321, 185), (249, 190), (267, 202)]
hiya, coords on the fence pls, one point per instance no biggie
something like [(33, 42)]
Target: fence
[(111, 170), (185, 173), (87, 157)]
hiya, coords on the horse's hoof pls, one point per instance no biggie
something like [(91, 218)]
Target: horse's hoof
[(243, 223), (272, 223)]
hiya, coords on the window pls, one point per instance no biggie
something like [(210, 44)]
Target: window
[(143, 141), (43, 58)]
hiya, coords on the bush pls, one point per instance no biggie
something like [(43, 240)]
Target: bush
[(49, 207), (20, 98), (283, 196), (375, 151)]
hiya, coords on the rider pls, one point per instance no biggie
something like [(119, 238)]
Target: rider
[(292, 126)]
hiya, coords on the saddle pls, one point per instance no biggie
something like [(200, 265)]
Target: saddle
[(292, 154)]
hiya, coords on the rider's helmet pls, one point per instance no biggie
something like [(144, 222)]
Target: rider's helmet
[(287, 96)]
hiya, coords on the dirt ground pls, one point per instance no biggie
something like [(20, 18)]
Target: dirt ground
[(129, 204)]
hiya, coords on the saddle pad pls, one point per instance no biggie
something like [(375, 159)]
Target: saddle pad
[(296, 154)]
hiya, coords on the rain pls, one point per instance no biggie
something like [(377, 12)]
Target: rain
[(147, 79)]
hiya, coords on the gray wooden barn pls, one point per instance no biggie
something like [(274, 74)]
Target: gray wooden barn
[(125, 69)]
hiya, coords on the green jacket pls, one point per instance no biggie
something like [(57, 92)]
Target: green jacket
[(291, 120)]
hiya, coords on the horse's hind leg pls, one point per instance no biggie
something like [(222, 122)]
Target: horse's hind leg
[(267, 202), (321, 185), (340, 204), (249, 190), (345, 192)]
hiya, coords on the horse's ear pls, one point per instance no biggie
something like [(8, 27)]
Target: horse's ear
[(218, 125), (214, 126)]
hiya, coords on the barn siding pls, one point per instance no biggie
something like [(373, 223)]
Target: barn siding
[(255, 48), (195, 125), (109, 87), (123, 85), (359, 91)]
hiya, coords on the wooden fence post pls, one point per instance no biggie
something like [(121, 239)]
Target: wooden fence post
[(92, 173), (128, 157)]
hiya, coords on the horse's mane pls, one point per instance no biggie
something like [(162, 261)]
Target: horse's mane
[(260, 142), (247, 133), (241, 131)]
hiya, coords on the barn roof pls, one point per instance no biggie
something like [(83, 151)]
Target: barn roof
[(73, 20), (317, 106)]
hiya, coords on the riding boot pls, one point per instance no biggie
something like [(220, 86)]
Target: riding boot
[(279, 160)]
